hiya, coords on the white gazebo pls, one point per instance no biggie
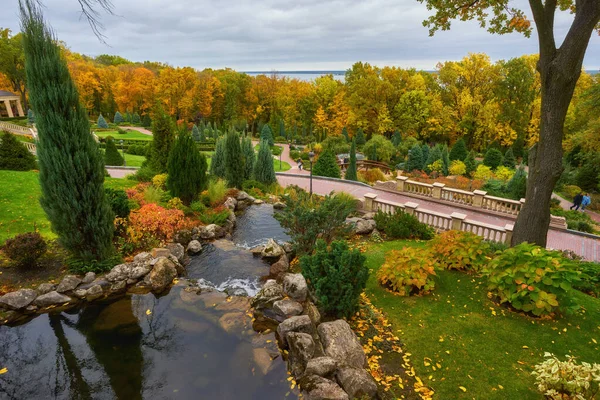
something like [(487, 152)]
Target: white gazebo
[(6, 98)]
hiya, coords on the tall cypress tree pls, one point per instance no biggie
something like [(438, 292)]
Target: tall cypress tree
[(282, 132), (360, 137), (425, 152), (195, 133), (345, 134), (111, 153), (71, 168), (351, 174), (217, 165), (264, 171), (327, 165), (267, 134), (396, 138), (470, 163), (187, 169), (249, 157), (234, 161), (445, 160), (162, 140)]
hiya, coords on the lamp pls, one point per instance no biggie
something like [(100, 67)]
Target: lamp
[(311, 157)]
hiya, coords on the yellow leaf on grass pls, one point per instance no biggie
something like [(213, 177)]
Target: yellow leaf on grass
[(594, 340), (3, 371), (525, 347), (464, 389)]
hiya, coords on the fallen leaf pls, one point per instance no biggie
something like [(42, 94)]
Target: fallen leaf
[(3, 370), (148, 312), (464, 389)]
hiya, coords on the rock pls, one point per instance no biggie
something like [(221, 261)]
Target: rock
[(263, 360), (94, 293), (353, 220), (256, 251), (369, 215), (341, 344), (287, 247), (103, 283), (162, 274), (45, 288), (118, 286), (178, 266), (130, 272), (294, 324), (294, 285), (321, 366), (88, 278), (68, 283), (279, 205), (230, 203), (302, 349), (258, 201), (287, 308), (208, 232), (357, 383), (270, 293), (233, 322), (142, 258), (19, 299), (194, 247), (244, 197), (183, 237), (234, 303), (280, 267), (272, 250), (136, 273), (231, 218), (177, 250), (51, 299), (313, 312), (160, 252), (118, 273), (365, 226), (319, 388)]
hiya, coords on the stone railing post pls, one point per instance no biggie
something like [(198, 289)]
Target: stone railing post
[(436, 191), (478, 196), (400, 182), (509, 233), (457, 220), (558, 222), (410, 208), (369, 201), (522, 201)]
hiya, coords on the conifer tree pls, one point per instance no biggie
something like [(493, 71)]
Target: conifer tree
[(102, 122), (249, 157), (351, 174), (30, 117), (415, 158), (518, 147), (146, 121), (425, 152), (264, 171), (327, 165), (492, 158), (111, 153), (186, 168), (360, 137), (196, 133), (434, 154), (345, 134), (136, 118), (396, 138), (509, 160), (127, 117), (202, 135), (118, 118), (71, 168), (234, 161), (267, 134), (470, 163), (14, 156), (445, 160), (459, 150), (217, 165), (282, 131), (162, 140)]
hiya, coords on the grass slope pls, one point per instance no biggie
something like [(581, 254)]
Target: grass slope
[(483, 347), (131, 134)]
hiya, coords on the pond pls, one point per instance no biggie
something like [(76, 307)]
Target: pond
[(185, 344)]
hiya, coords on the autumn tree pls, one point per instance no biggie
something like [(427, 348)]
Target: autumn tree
[(559, 68), (12, 62)]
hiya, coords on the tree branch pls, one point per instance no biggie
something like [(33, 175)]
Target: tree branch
[(544, 21), (573, 48)]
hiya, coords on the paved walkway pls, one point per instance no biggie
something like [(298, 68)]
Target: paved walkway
[(587, 247), (139, 129), (566, 205), (285, 156)]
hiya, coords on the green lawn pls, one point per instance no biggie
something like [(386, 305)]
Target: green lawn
[(132, 135), (134, 161), (483, 347), (284, 166), (20, 207)]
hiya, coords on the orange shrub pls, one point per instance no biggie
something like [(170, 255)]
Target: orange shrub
[(153, 223), (136, 193)]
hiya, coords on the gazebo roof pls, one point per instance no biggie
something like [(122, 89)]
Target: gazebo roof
[(4, 93)]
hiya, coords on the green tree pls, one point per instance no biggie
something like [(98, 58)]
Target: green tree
[(102, 122), (111, 153), (217, 165), (470, 163), (264, 171), (425, 150), (396, 138), (71, 168), (14, 155), (327, 165), (360, 137), (162, 140), (146, 121), (509, 160), (282, 129), (195, 133), (559, 70), (434, 154), (379, 149), (234, 160), (351, 173), (186, 168), (345, 134), (249, 157), (492, 158), (459, 150), (12, 62), (118, 118), (518, 147), (30, 117), (136, 119), (445, 160), (267, 134), (415, 159), (517, 186), (202, 135)]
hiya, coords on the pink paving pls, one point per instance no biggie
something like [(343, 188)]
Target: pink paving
[(587, 247)]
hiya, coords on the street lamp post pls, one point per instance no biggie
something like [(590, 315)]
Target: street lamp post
[(311, 157)]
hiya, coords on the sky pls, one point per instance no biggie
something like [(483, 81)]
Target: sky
[(282, 35)]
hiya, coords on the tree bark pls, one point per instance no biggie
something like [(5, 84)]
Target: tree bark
[(559, 71)]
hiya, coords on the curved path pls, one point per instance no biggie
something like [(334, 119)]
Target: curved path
[(137, 128), (586, 246)]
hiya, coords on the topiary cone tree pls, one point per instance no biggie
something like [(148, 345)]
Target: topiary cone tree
[(327, 165), (559, 68), (111, 153), (186, 169), (264, 171), (118, 118), (102, 122), (71, 168), (459, 150), (351, 173)]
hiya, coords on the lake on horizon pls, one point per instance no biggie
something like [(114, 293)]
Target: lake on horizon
[(301, 75)]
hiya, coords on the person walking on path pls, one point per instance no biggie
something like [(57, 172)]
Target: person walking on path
[(300, 164), (585, 201), (577, 202)]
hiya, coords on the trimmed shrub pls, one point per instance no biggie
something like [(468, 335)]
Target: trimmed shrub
[(457, 168), (459, 151), (187, 169), (102, 122), (372, 175), (532, 279), (327, 165), (337, 276), (470, 163), (402, 226), (503, 173), (25, 249), (119, 202), (458, 250), (407, 272), (493, 158), (111, 153), (153, 223), (160, 181), (14, 156), (118, 119), (483, 172)]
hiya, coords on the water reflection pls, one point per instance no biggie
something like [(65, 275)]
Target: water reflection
[(256, 225)]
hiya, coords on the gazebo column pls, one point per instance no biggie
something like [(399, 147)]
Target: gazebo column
[(20, 108), (9, 109)]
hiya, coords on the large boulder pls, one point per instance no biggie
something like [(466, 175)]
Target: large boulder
[(321, 366), (51, 299), (230, 203), (90, 294), (313, 312), (162, 274), (194, 247), (119, 273), (287, 308), (244, 197), (19, 299), (272, 251), (357, 383), (257, 251), (279, 205), (294, 285), (209, 232), (302, 349), (160, 252), (142, 258), (131, 272), (178, 251), (88, 278), (294, 324), (319, 388), (365, 226), (182, 237), (280, 267), (341, 344), (45, 288), (270, 293), (68, 283)]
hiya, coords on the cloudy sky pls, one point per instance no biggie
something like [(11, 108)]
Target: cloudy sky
[(265, 35)]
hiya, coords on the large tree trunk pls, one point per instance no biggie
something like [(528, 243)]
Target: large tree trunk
[(559, 71)]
